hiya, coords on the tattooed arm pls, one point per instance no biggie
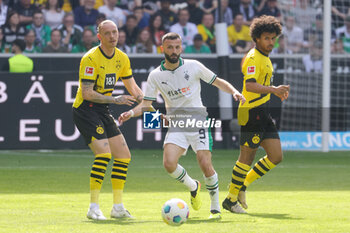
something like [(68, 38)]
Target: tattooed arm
[(133, 89), (90, 94)]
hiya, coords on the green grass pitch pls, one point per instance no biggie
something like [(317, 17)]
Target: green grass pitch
[(48, 191)]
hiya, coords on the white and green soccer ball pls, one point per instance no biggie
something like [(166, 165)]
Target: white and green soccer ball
[(175, 212)]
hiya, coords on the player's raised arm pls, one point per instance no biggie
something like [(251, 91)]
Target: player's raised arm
[(137, 111), (225, 86)]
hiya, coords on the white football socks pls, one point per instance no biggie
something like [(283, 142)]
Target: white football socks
[(212, 185), (181, 175)]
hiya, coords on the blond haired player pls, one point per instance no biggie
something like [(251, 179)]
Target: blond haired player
[(100, 68)]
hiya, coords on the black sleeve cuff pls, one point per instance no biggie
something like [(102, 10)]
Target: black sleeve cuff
[(127, 77), (251, 80)]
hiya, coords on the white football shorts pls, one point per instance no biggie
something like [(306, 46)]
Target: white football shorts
[(201, 140)]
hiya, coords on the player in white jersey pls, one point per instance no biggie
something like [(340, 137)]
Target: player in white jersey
[(178, 81)]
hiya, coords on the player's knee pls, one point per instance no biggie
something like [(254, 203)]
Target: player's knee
[(169, 165), (277, 159)]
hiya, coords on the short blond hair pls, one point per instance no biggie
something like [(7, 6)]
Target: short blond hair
[(99, 27)]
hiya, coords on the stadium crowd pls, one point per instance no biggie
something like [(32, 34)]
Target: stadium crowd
[(69, 26)]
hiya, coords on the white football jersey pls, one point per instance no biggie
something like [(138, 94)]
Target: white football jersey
[(180, 88)]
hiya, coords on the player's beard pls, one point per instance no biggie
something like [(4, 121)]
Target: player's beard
[(171, 58)]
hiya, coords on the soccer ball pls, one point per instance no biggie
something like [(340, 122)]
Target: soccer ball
[(175, 212)]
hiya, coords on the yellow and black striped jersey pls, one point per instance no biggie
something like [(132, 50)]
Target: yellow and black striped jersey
[(103, 71), (256, 67)]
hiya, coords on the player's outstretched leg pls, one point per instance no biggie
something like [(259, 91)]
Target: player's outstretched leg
[(97, 174), (180, 174), (172, 153)]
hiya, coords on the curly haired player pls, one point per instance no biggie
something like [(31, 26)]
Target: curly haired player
[(257, 127)]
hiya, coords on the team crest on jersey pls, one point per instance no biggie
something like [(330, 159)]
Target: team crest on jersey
[(186, 75), (89, 71), (256, 139), (100, 130), (251, 70), (118, 65)]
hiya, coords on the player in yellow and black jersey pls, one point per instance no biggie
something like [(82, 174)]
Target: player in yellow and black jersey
[(257, 127), (100, 68)]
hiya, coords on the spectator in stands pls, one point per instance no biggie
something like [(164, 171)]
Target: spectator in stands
[(99, 3), (142, 17), (2, 44), (53, 14), (157, 30), (126, 5), (259, 5), (39, 4), (113, 13), (304, 14), (246, 8), (101, 17), (144, 43), (313, 61), (196, 13), (29, 40), (131, 30), (70, 32), (315, 33), (226, 13), (207, 31), (121, 42), (19, 63), (340, 9), (294, 35), (239, 35), (12, 30), (42, 31), (3, 12), (343, 33), (198, 46), (337, 47), (208, 6), (55, 45), (85, 15), (25, 11), (69, 5), (150, 6), (168, 17), (272, 9), (184, 28), (87, 42)]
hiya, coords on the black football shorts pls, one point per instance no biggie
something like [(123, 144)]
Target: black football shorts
[(260, 126), (94, 121)]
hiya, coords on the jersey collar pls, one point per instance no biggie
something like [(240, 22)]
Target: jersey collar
[(261, 52), (105, 54), (162, 67)]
